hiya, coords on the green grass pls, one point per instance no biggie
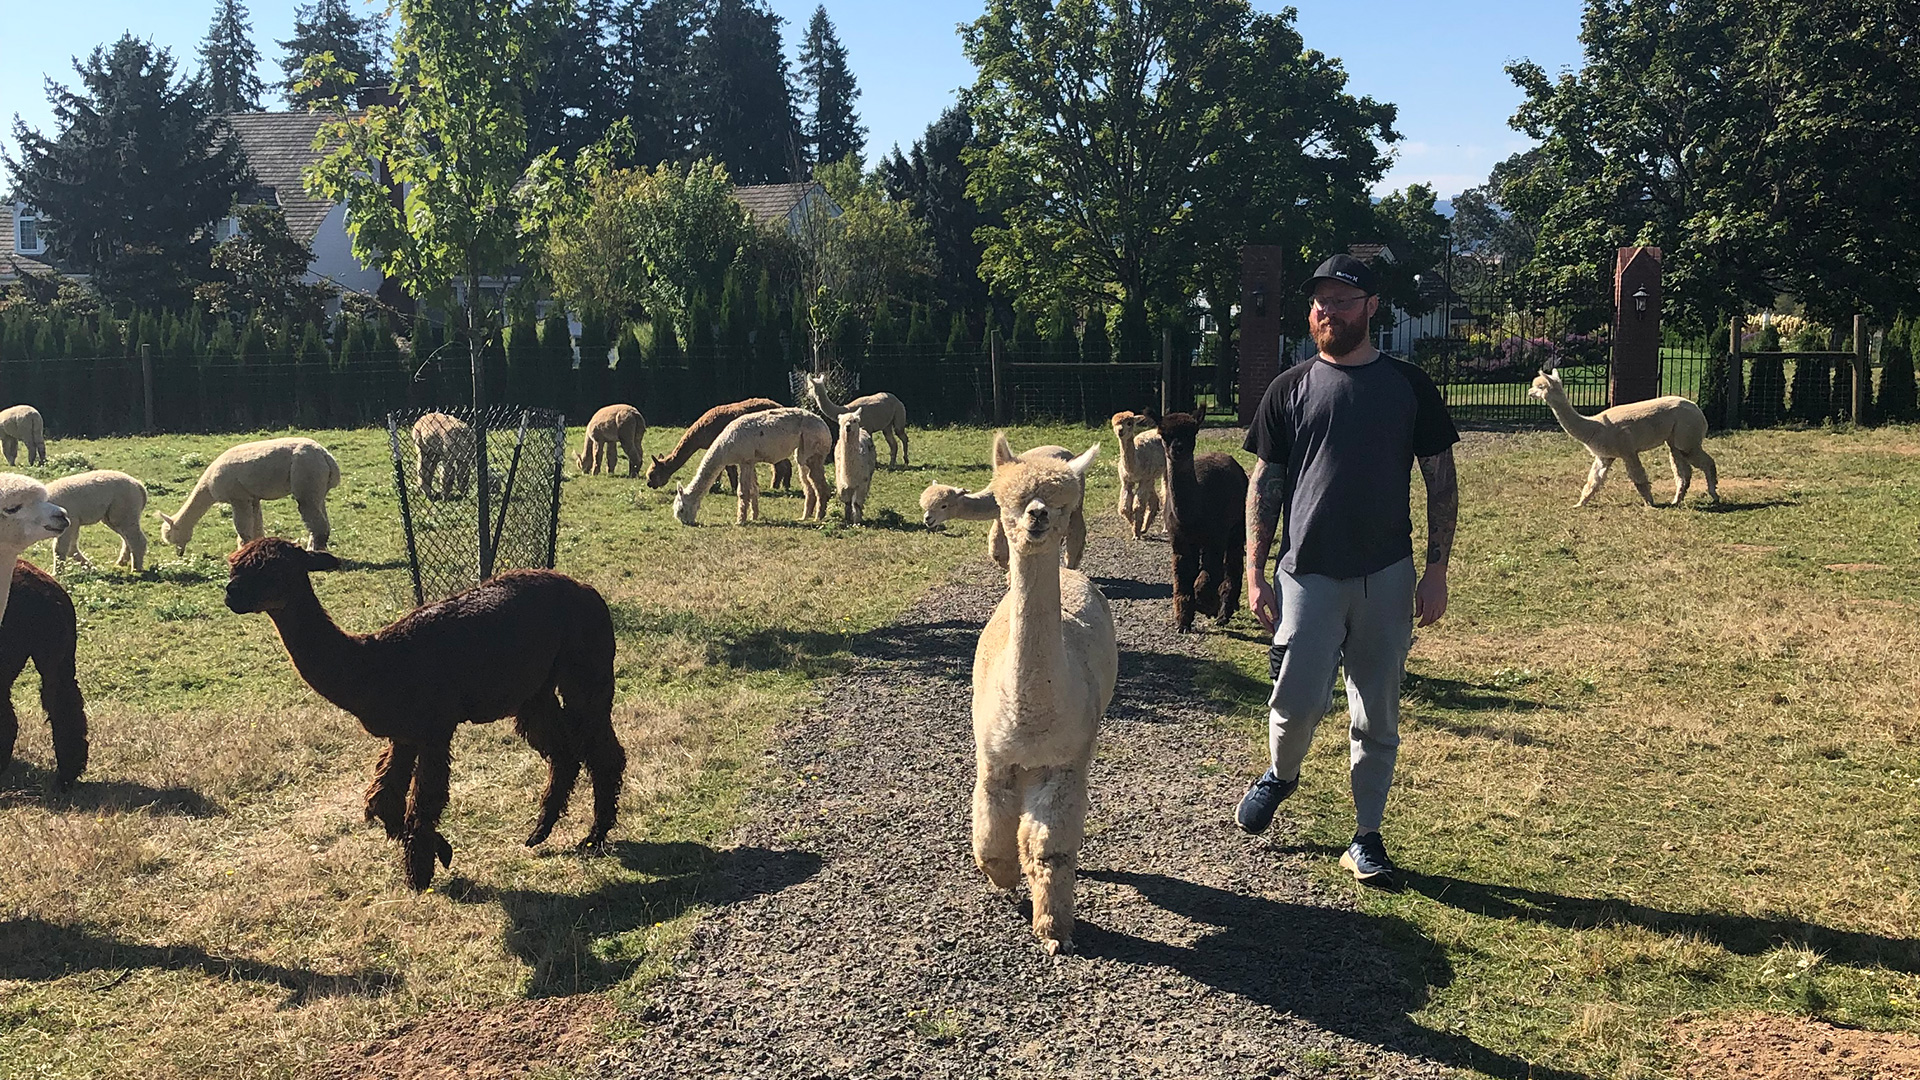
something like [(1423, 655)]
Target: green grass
[(1656, 764), (208, 902)]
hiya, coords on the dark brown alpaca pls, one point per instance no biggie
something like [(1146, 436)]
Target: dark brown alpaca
[(502, 648), (700, 435), (39, 626), (1206, 523)]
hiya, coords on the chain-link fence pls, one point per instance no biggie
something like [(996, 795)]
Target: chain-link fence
[(464, 522)]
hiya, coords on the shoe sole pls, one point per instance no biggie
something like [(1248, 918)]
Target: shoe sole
[(1382, 879)]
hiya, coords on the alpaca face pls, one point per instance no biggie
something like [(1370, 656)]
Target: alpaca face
[(268, 572), (684, 508), (937, 504), (26, 515), (1543, 384), (1179, 432), (658, 472), (1036, 502)]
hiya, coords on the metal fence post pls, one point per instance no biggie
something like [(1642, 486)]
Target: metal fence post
[(1862, 370), (146, 385), (1736, 372), (998, 363), (1166, 371)]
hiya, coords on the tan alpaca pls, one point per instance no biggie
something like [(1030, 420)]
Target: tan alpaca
[(853, 465), (1043, 675), (1143, 469), (27, 517), (941, 503), (244, 475), (1622, 432), (22, 424), (756, 437), (612, 430), (93, 497), (880, 413), (443, 447)]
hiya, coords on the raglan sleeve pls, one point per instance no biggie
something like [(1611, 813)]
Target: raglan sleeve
[(1270, 436), (1433, 429)]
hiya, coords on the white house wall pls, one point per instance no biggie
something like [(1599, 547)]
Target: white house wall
[(333, 260)]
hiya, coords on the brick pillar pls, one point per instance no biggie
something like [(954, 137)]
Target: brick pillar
[(1263, 293), (1636, 326)]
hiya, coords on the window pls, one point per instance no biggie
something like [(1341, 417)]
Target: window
[(28, 238)]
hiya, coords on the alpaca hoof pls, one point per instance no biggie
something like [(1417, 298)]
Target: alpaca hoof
[(539, 834), (1055, 946), (592, 843), (445, 851)]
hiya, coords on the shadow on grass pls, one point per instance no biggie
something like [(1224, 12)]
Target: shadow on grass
[(388, 564), (1129, 589), (1745, 935), (35, 950), (581, 943), (1731, 506), (1463, 696), (1354, 974), (731, 642), (29, 783)]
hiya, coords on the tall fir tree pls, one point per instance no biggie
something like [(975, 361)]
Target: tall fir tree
[(832, 129), (228, 59), (358, 45), (650, 75), (575, 98), (932, 180), (741, 99)]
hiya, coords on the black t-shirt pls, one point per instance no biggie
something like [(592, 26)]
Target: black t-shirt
[(1346, 438)]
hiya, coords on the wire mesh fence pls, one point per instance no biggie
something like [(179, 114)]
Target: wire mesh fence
[(479, 493)]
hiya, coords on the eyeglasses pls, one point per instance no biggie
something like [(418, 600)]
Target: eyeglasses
[(1340, 305)]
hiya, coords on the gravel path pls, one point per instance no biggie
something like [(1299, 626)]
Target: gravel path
[(1201, 952)]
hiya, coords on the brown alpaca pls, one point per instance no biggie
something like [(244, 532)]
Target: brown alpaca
[(612, 430), (39, 625), (701, 434), (1206, 524), (502, 648)]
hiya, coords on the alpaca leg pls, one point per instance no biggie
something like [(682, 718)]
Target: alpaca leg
[(997, 547), (816, 476), (314, 512), (1186, 569), (11, 664), (783, 475), (1638, 474), (1701, 461), (247, 522), (422, 842), (906, 448), (1207, 584), (631, 444), (1682, 474), (541, 722), (607, 764), (733, 480), (38, 452), (1151, 498), (386, 799), (67, 546), (1051, 828), (1233, 570), (10, 446), (893, 446), (1596, 475), (1076, 538), (133, 545), (749, 500), (66, 714), (996, 823)]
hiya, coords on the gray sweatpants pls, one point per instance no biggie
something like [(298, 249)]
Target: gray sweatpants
[(1368, 623)]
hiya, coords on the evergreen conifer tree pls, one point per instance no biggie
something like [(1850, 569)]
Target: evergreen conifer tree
[(349, 378), (575, 98), (250, 375), (523, 361), (358, 46), (629, 368), (310, 370), (650, 75), (1812, 380), (1898, 392), (228, 58), (740, 96), (832, 129), (590, 384), (555, 381), (1765, 403), (1096, 347)]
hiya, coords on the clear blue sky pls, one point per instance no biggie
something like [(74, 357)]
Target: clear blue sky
[(1440, 63)]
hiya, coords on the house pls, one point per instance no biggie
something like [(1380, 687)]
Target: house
[(785, 206), (23, 245), (279, 147)]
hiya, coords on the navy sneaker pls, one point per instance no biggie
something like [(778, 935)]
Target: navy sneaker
[(1261, 800), (1367, 858)]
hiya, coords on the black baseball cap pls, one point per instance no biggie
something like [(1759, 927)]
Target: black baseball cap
[(1347, 270)]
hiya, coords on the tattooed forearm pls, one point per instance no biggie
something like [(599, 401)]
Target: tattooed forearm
[(1265, 494), (1443, 505)]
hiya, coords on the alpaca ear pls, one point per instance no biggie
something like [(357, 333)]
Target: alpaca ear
[(162, 515), (1081, 464), (1548, 365), (1002, 453), (322, 560)]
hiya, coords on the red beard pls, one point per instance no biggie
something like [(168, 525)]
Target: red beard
[(1338, 338)]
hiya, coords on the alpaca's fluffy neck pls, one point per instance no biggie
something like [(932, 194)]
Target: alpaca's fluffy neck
[(197, 505), (331, 660), (1580, 427), (1036, 650), (1126, 436), (1183, 485), (827, 405), (976, 506)]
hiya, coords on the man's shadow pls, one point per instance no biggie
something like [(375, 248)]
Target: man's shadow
[(1353, 974)]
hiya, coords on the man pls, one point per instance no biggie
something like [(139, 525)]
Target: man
[(1337, 437)]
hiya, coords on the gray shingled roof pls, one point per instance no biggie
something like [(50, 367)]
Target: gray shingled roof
[(279, 146), (771, 203), (12, 265)]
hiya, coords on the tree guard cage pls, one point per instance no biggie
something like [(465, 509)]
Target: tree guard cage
[(464, 523)]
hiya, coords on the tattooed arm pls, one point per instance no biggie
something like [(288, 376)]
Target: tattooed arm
[(1443, 516), (1265, 494)]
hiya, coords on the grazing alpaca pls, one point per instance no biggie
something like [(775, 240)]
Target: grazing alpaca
[(1206, 523), (39, 625), (443, 447), (612, 430), (1620, 433), (1043, 675), (22, 424), (27, 517), (771, 435), (940, 503), (245, 474), (93, 497), (502, 648), (1143, 469), (878, 412), (701, 435), (853, 464)]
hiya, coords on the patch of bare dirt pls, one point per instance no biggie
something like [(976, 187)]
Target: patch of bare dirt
[(481, 1044), (1793, 1048)]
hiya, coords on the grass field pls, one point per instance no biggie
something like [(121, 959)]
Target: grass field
[(208, 903), (1656, 764)]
